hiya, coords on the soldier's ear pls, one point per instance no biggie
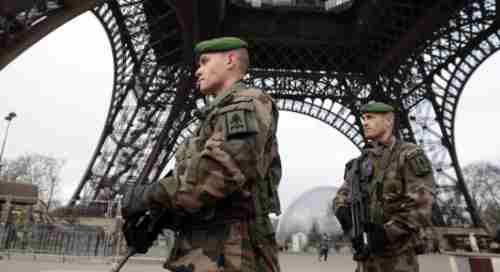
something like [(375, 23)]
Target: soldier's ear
[(390, 118), (232, 59)]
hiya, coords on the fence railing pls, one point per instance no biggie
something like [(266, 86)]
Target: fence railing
[(72, 240), (90, 229), (58, 239)]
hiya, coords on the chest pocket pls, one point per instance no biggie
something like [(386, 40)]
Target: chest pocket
[(394, 184), (392, 178)]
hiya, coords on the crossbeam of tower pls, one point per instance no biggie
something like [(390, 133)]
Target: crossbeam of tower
[(322, 59)]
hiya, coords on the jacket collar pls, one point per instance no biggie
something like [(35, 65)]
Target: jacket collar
[(220, 98), (377, 148)]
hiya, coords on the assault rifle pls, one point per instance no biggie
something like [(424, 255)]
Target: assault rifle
[(360, 180)]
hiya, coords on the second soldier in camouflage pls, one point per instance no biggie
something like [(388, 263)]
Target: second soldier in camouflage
[(400, 193)]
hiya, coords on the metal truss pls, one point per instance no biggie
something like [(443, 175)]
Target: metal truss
[(25, 22), (440, 72), (145, 117), (417, 56), (18, 17), (324, 96)]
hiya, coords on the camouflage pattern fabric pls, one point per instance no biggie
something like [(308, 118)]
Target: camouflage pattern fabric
[(226, 163), (407, 172)]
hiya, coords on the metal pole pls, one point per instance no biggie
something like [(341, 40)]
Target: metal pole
[(8, 118)]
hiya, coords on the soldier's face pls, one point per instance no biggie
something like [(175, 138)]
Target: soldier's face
[(376, 125), (211, 72)]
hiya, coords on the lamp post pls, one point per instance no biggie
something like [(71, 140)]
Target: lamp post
[(8, 118)]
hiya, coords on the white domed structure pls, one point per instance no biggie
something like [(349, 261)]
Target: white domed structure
[(312, 206)]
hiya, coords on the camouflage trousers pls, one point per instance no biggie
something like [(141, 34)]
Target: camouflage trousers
[(223, 248), (406, 262)]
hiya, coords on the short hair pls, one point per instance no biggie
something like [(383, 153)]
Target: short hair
[(243, 59)]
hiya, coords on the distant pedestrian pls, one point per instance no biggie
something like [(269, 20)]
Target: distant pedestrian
[(324, 246)]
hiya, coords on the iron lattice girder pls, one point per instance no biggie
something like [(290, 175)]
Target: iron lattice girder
[(324, 82), (25, 22), (353, 41), (442, 70), (144, 96), (416, 33)]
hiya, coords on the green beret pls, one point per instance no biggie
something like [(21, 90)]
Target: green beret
[(219, 44), (376, 107)]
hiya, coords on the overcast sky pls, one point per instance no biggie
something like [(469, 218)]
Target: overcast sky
[(61, 89)]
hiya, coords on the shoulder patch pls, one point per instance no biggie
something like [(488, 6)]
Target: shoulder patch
[(236, 122), (239, 117), (419, 162)]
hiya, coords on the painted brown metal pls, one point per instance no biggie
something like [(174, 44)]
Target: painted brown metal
[(10, 8), (18, 193), (422, 31), (320, 64), (24, 39)]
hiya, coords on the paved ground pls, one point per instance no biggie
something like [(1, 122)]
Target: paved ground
[(289, 263)]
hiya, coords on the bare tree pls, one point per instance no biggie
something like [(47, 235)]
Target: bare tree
[(37, 169), (483, 180)]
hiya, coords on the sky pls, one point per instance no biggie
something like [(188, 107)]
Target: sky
[(61, 89)]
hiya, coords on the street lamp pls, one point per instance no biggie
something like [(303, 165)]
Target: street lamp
[(7, 118)]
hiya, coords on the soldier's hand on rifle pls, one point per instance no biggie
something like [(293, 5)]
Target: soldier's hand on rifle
[(144, 208), (344, 216), (137, 234)]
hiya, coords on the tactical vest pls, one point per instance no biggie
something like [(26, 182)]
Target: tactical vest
[(388, 193), (387, 183)]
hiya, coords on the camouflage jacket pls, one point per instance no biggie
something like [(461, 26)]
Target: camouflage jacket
[(403, 170), (228, 162)]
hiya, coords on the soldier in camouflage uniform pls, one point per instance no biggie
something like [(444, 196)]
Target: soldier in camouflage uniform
[(225, 180), (400, 193)]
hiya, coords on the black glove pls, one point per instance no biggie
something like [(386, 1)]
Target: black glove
[(344, 216), (361, 252), (376, 237), (140, 232), (133, 204)]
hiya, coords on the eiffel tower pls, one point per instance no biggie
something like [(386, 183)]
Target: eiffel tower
[(319, 58)]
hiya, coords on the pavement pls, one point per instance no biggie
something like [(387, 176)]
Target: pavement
[(289, 263)]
